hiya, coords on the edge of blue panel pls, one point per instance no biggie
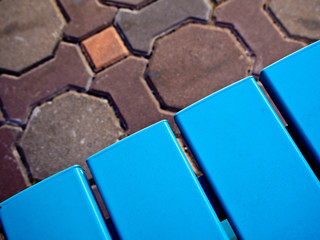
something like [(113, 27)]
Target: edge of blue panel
[(40, 183), (306, 48), (242, 81), (128, 138)]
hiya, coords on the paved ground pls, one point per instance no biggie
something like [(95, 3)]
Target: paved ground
[(79, 75)]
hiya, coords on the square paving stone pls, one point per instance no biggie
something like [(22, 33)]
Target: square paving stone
[(105, 48)]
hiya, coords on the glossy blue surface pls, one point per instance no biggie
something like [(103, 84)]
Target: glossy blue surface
[(59, 207), (294, 85), (150, 190), (263, 182)]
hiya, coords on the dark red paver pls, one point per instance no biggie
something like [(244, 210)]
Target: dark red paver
[(142, 27), (194, 62), (252, 22), (300, 17), (86, 16), (12, 179), (104, 48), (29, 32), (67, 68), (124, 81)]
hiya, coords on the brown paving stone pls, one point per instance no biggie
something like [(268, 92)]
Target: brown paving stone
[(18, 95), (86, 16), (253, 24), (300, 17), (67, 131), (194, 62), (142, 27), (29, 32), (128, 3), (105, 48), (12, 178), (100, 201), (124, 81)]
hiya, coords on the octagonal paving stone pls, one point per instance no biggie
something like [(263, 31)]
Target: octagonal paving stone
[(128, 3), (257, 29), (300, 17), (67, 131), (142, 27), (194, 62), (29, 32), (86, 17), (18, 95), (124, 82), (12, 177)]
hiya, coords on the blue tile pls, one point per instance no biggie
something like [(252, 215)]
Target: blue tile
[(150, 190), (294, 85), (263, 182), (59, 207)]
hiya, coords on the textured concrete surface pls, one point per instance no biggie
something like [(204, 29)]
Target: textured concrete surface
[(256, 27), (86, 16), (12, 177), (33, 28), (105, 48), (142, 27), (300, 17), (18, 95), (67, 131), (194, 62)]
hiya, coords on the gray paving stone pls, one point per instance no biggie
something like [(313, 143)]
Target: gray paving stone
[(195, 61), (142, 27), (300, 17), (67, 131), (29, 32), (86, 16), (68, 67)]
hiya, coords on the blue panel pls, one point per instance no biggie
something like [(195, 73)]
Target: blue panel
[(263, 182), (59, 207), (150, 190), (294, 85)]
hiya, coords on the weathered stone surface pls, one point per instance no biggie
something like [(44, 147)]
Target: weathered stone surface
[(142, 27), (194, 62), (100, 201), (86, 16), (124, 82), (252, 22), (67, 68), (12, 179), (105, 48), (67, 131), (29, 32), (300, 17)]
